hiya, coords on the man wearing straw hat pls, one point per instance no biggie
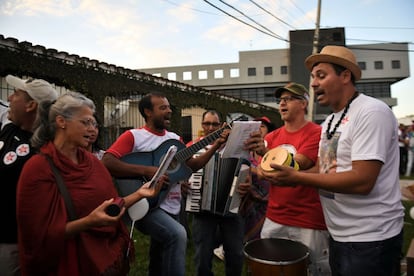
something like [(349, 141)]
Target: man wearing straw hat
[(357, 171)]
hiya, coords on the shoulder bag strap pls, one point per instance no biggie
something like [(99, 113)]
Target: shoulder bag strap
[(62, 189)]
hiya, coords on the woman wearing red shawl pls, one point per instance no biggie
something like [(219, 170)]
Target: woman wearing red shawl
[(49, 242)]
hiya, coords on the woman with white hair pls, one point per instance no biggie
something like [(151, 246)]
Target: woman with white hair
[(56, 238)]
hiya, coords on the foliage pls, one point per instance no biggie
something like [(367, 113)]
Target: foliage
[(97, 82)]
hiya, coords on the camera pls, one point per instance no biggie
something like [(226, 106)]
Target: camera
[(115, 207)]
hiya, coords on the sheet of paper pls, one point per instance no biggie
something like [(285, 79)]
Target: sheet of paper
[(168, 157), (240, 132), (235, 197)]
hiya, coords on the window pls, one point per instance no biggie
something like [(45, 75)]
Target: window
[(395, 64), (376, 89), (251, 71), (202, 75), (187, 76), (378, 65), (268, 71), (252, 94), (234, 73), (218, 74), (157, 75), (172, 76), (283, 70), (337, 36), (362, 65)]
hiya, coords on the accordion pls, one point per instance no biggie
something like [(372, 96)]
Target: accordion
[(213, 189)]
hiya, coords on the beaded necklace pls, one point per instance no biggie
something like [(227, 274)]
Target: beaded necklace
[(330, 134)]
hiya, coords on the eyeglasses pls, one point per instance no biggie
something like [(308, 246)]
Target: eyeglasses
[(208, 124), (89, 123), (287, 99)]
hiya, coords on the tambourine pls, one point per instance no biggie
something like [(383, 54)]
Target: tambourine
[(279, 156)]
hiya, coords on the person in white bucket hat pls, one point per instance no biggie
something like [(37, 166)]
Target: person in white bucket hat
[(15, 150)]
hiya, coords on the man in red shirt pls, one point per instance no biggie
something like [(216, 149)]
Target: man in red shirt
[(295, 212)]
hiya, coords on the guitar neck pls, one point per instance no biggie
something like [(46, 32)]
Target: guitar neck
[(187, 153)]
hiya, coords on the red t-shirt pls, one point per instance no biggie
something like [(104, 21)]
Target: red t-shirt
[(296, 206)]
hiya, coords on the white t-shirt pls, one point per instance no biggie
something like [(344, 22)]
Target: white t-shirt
[(369, 131), (143, 140)]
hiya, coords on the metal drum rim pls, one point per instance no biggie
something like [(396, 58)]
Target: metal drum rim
[(277, 262), (280, 263)]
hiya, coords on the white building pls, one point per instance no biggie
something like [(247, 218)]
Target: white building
[(257, 74)]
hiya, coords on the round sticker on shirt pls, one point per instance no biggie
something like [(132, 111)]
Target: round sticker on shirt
[(1, 144), (10, 157), (23, 150)]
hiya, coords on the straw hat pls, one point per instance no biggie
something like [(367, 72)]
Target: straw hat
[(337, 55)]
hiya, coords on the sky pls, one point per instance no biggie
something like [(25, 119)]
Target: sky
[(162, 33)]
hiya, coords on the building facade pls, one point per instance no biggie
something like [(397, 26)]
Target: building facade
[(257, 74)]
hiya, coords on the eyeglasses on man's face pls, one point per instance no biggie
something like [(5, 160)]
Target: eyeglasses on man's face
[(287, 99), (209, 124)]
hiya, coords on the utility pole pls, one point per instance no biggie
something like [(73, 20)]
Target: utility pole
[(314, 51)]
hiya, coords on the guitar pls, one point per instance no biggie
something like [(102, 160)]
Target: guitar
[(177, 170)]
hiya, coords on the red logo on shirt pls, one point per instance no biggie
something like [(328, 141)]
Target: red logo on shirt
[(10, 157), (345, 120), (23, 150)]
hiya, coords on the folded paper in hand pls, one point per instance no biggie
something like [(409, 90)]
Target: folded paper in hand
[(165, 163), (240, 132), (233, 202)]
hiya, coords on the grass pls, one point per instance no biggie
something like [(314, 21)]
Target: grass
[(139, 267), (408, 221), (408, 225)]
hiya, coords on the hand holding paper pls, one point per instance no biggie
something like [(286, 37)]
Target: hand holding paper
[(165, 163), (240, 132)]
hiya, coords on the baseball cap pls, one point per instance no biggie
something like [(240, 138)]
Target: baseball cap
[(38, 89), (262, 119), (266, 121), (294, 88)]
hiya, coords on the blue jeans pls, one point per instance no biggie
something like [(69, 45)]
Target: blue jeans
[(366, 258), (204, 231), (168, 243)]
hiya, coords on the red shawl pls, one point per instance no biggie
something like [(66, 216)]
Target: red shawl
[(42, 216)]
